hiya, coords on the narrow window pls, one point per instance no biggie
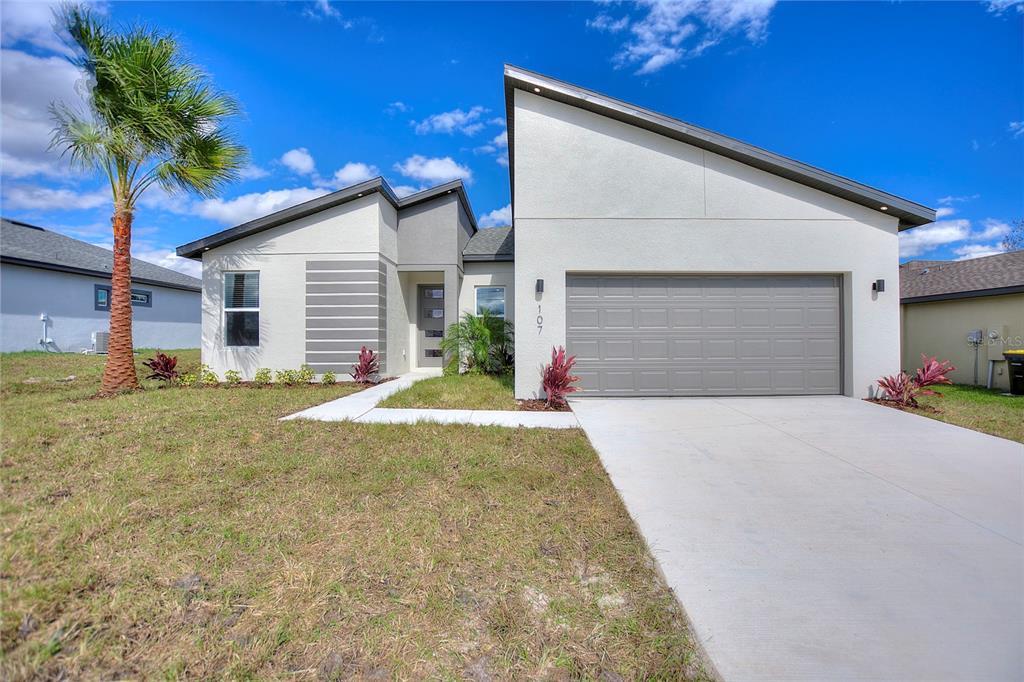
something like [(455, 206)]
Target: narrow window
[(102, 297), (491, 299), (241, 308)]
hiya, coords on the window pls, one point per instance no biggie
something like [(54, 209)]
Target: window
[(491, 299), (433, 333), (101, 297), (432, 353), (433, 293), (241, 308), (433, 313)]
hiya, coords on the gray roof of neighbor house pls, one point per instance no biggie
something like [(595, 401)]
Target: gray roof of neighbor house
[(922, 281), (32, 246), (489, 244), (910, 214), (195, 249)]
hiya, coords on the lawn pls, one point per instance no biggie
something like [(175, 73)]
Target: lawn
[(981, 409), (460, 391), (174, 533)]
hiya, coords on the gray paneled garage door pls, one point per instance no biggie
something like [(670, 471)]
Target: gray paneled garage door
[(704, 334)]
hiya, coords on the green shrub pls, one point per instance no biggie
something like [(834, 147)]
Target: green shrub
[(233, 376), (187, 380), (305, 374), (328, 378), (262, 377), (287, 377), (207, 377), (484, 343)]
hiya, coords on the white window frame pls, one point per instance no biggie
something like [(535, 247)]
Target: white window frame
[(226, 309), (504, 298)]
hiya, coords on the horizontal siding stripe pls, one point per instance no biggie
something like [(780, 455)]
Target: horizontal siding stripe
[(364, 335), (342, 311), (345, 299), (370, 323), (339, 276), (343, 265), (314, 359), (324, 346), (343, 288)]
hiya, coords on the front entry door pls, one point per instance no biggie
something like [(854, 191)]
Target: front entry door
[(430, 322)]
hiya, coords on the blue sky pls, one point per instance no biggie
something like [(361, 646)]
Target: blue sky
[(924, 100)]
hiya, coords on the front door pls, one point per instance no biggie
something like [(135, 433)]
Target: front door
[(430, 322)]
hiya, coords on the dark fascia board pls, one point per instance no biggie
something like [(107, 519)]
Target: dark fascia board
[(909, 213), (952, 296), (487, 257), (39, 265), (196, 248)]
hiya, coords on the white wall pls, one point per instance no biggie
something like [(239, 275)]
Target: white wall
[(483, 274), (68, 300), (593, 194)]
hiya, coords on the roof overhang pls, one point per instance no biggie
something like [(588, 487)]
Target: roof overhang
[(379, 185), (909, 213), (954, 295), (487, 258), (57, 267)]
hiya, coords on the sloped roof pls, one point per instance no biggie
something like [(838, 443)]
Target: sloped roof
[(490, 243), (922, 281), (910, 214), (33, 246), (195, 249)]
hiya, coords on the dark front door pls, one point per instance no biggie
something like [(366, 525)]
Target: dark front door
[(430, 322)]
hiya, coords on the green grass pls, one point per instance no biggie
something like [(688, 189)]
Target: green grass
[(172, 533), (981, 409), (459, 391)]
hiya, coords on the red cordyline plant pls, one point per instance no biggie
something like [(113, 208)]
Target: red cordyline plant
[(556, 379), (904, 389), (364, 371), (162, 367)]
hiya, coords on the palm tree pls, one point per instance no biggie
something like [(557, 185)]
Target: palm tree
[(152, 118), (484, 342)]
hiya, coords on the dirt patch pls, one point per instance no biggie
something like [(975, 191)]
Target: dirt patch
[(541, 406), (903, 408)]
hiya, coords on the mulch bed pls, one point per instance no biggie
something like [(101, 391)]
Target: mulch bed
[(540, 406), (903, 408)]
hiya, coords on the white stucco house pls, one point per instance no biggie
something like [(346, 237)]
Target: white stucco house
[(55, 294), (671, 260)]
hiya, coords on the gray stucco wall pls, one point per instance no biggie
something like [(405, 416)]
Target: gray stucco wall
[(428, 234), (68, 301)]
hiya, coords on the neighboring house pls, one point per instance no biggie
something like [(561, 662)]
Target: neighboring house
[(55, 293), (670, 259), (943, 302)]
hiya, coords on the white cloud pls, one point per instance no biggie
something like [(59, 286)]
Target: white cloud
[(299, 161), (253, 172), (50, 199), (500, 141), (30, 85), (1000, 6), (951, 199), (352, 173), (405, 190), (969, 251), (1016, 129), (497, 218), (396, 108), (944, 212), (993, 229), (254, 205), (919, 240), (323, 9), (667, 31), (449, 122), (433, 170), (166, 257), (33, 23)]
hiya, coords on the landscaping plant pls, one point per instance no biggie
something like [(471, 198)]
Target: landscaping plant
[(262, 377), (151, 118), (207, 377), (305, 374), (556, 377), (233, 377), (483, 342), (904, 389), (287, 377), (162, 367), (187, 380), (328, 378), (364, 371)]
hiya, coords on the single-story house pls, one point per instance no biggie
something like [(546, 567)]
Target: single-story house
[(967, 312), (55, 294), (671, 260)]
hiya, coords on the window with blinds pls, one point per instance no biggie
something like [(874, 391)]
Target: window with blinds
[(241, 308)]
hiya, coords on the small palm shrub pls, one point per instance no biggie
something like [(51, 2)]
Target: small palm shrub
[(262, 377), (904, 389), (233, 377), (556, 377), (484, 342), (305, 375), (328, 378), (207, 377), (162, 367), (366, 369)]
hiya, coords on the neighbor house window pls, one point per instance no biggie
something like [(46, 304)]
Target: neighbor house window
[(241, 308), (491, 299), (101, 297)]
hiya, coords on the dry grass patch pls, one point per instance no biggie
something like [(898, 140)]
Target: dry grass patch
[(188, 533), (458, 392)]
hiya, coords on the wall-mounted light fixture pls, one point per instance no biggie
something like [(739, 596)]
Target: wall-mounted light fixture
[(878, 285), (540, 286)]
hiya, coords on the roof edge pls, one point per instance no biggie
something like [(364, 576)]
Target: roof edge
[(909, 213), (954, 295), (40, 265)]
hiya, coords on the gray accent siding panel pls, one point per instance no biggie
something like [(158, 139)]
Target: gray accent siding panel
[(367, 336), (345, 310), (344, 299), (343, 288), (659, 334), (343, 265)]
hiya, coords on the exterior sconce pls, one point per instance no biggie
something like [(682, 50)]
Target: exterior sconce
[(540, 286), (878, 285)]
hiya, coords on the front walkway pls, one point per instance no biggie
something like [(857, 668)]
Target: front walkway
[(362, 407), (826, 538)]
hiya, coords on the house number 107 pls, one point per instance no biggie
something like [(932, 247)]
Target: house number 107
[(540, 320)]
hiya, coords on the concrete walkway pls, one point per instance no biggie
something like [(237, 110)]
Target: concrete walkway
[(362, 407), (826, 538)]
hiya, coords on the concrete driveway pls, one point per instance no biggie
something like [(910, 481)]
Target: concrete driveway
[(826, 538)]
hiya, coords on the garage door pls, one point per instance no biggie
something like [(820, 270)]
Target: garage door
[(651, 335)]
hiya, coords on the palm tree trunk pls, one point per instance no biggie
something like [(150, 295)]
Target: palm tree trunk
[(119, 372)]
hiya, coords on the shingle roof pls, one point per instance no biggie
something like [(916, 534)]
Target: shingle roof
[(490, 243), (24, 244), (935, 280)]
